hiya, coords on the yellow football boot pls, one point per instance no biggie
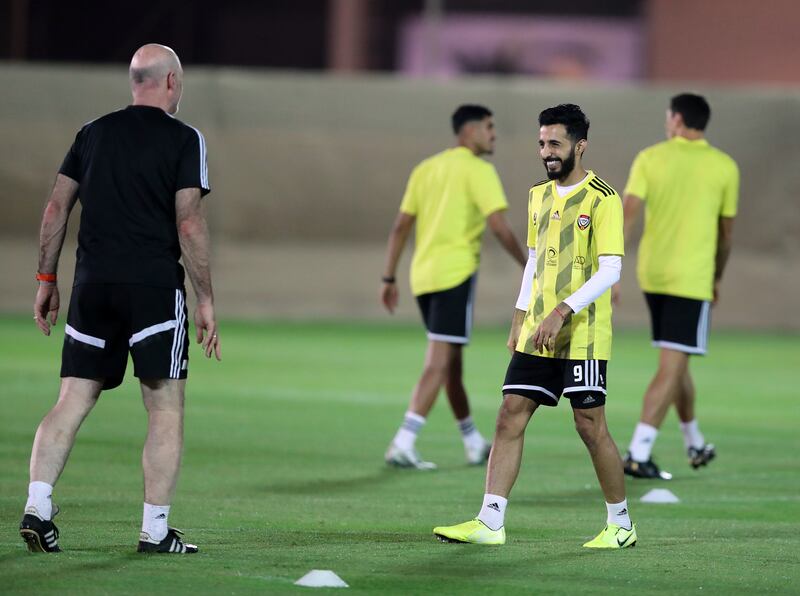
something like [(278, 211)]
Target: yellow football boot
[(471, 532), (614, 536)]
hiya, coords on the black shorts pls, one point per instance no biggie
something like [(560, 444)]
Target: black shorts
[(679, 324), (107, 321), (544, 380), (448, 314)]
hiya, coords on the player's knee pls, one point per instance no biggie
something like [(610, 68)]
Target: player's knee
[(437, 370), (453, 375), (163, 395), (588, 429), (510, 423), (673, 368)]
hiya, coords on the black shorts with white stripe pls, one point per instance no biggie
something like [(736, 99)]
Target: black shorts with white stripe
[(106, 322), (545, 380), (678, 323), (448, 314)]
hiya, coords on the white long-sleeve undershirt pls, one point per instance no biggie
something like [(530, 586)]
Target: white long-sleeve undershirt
[(607, 274), (524, 298)]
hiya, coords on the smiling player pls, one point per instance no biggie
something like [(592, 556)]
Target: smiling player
[(561, 330)]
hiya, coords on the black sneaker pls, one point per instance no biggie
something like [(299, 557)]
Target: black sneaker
[(40, 535), (172, 543), (643, 469), (701, 457)]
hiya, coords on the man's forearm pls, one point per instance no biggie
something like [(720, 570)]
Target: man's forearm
[(195, 249), (509, 241), (631, 207), (51, 237), (397, 241), (724, 244), (393, 250), (721, 259), (607, 275), (54, 222)]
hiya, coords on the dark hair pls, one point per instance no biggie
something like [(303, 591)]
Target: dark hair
[(693, 108), (571, 116), (468, 113)]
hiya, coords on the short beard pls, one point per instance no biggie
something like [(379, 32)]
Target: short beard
[(566, 167), (485, 150)]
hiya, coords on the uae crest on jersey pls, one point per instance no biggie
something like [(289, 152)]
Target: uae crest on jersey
[(584, 221)]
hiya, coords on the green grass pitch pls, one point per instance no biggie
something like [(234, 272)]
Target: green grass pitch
[(283, 473)]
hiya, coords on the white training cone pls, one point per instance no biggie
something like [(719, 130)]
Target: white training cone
[(660, 495), (321, 578)]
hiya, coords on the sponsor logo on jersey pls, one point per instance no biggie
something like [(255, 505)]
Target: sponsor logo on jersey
[(555, 215)]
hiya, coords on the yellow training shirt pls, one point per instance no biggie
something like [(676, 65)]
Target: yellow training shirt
[(569, 234), (451, 194), (687, 186)]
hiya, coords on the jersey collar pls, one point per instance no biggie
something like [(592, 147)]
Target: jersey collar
[(577, 189), (693, 143), (463, 150)]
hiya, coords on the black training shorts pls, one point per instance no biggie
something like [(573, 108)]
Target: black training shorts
[(448, 314), (544, 380), (679, 324), (108, 321)]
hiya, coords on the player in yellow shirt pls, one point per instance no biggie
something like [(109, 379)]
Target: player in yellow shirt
[(690, 192), (561, 331), (451, 197)]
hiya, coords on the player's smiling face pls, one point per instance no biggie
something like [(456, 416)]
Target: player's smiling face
[(557, 151)]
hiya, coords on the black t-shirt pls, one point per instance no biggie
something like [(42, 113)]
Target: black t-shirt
[(129, 165)]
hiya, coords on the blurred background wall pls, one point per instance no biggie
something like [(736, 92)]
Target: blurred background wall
[(311, 144)]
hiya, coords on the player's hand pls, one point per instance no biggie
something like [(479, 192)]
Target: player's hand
[(516, 329), (206, 327), (46, 305), (389, 296), (513, 338), (546, 333), (616, 294), (717, 283)]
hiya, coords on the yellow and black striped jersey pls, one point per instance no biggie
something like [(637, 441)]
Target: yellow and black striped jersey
[(569, 234)]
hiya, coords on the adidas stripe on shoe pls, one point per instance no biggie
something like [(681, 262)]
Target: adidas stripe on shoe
[(41, 536), (172, 544)]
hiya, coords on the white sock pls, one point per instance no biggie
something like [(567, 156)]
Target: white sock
[(493, 512), (644, 437), (618, 514), (154, 521), (406, 436), (40, 501), (469, 433), (692, 437)]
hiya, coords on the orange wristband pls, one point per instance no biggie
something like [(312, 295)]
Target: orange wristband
[(49, 277)]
